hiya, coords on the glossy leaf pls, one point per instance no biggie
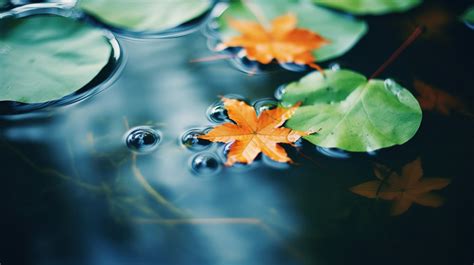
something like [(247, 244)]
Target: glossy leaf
[(341, 31), (250, 135), (145, 15), (351, 112), (374, 7), (48, 57), (404, 189)]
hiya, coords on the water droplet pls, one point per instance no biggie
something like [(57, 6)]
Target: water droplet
[(335, 67), (280, 91), (142, 139), (191, 141), (391, 85), (264, 104), (333, 152), (205, 164), (294, 67)]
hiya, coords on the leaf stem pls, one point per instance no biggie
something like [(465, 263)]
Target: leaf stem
[(413, 36)]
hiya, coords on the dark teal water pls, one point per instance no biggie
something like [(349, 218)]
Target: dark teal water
[(71, 192)]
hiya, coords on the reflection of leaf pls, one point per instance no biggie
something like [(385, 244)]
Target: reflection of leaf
[(145, 15), (353, 113), (44, 58), (404, 189), (283, 41), (374, 7), (341, 32), (251, 134), (433, 99), (468, 16)]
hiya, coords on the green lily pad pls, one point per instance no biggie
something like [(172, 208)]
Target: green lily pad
[(44, 58), (353, 113), (145, 15), (343, 32), (468, 16), (373, 7)]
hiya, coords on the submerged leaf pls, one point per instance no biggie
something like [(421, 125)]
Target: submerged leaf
[(340, 31), (145, 15), (44, 58), (433, 99), (353, 113), (404, 189), (282, 41), (250, 135), (373, 7)]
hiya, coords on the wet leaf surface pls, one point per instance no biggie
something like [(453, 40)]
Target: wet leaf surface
[(45, 58), (371, 7)]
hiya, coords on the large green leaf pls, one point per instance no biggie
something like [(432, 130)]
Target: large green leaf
[(374, 7), (468, 16), (343, 32), (43, 58), (353, 113), (145, 15)]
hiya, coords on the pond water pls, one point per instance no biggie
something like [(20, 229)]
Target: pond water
[(109, 180)]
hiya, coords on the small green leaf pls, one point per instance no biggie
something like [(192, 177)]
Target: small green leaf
[(343, 32), (43, 58), (468, 16), (145, 15), (372, 7), (353, 113)]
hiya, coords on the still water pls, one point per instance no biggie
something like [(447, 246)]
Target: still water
[(121, 178)]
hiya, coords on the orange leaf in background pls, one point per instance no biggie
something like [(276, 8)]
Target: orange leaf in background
[(283, 41), (252, 135), (433, 99), (404, 189)]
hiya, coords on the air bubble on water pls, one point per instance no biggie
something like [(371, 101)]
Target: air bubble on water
[(243, 64), (264, 104), (143, 139), (280, 91), (393, 87), (335, 67), (333, 152), (274, 164), (294, 67), (205, 164), (372, 153), (190, 139)]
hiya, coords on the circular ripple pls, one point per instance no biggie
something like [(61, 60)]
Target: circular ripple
[(190, 139), (205, 164), (142, 139)]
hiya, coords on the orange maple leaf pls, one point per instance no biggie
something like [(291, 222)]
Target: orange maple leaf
[(251, 135), (282, 41), (433, 99), (404, 189)]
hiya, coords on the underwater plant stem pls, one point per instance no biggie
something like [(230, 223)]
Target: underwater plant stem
[(151, 191), (413, 36)]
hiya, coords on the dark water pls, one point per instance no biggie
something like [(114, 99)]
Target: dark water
[(72, 192)]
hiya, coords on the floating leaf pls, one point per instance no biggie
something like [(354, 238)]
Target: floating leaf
[(353, 113), (282, 41), (342, 32), (250, 135), (374, 7), (468, 16), (433, 99), (43, 58), (145, 15), (404, 189)]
